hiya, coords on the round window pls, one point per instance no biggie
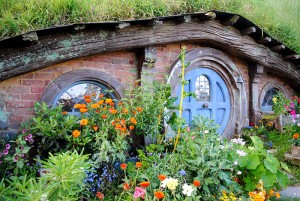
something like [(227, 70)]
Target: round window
[(74, 94)]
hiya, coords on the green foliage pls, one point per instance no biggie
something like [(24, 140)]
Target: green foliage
[(279, 18), (280, 104), (256, 164), (63, 180)]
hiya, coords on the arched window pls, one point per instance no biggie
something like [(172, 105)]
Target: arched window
[(74, 94), (267, 102), (69, 88), (202, 89)]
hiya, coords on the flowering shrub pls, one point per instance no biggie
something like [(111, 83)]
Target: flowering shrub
[(283, 105), (296, 140)]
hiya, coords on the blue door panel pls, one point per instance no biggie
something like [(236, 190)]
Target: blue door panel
[(217, 107)]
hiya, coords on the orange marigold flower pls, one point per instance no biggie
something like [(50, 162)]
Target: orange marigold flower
[(124, 110), (138, 164), (83, 110), (87, 100), (133, 120), (83, 122), (112, 104), (133, 112), (296, 136), (145, 184), (271, 192), (64, 112), (162, 177), (77, 105), (123, 129), (95, 128), (104, 108), (196, 183), (87, 97), (123, 122), (118, 127), (100, 102), (101, 95), (126, 187), (159, 194), (131, 127), (120, 103), (139, 109), (103, 116), (123, 166), (277, 194), (107, 101), (113, 123), (76, 133), (82, 106), (100, 196), (113, 110), (95, 105)]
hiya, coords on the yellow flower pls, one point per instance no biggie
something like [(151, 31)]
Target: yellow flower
[(76, 133), (274, 100), (83, 122)]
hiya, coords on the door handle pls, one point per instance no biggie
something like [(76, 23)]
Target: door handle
[(205, 105)]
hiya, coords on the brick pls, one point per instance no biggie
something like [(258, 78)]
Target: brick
[(19, 104), (15, 118), (14, 96), (37, 89), (18, 89), (44, 76), (24, 111), (90, 64), (28, 76), (102, 59), (32, 82), (30, 96), (120, 61)]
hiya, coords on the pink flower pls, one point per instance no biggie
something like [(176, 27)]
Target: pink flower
[(139, 192), (293, 113), (188, 129), (5, 152), (193, 137), (7, 146), (292, 105), (287, 108)]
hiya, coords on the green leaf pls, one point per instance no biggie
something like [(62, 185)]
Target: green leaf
[(25, 150), (271, 163), (257, 142), (285, 167), (250, 183), (20, 164), (242, 161), (253, 161), (282, 179), (268, 178)]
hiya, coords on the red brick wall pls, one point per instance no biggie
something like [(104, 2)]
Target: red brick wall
[(17, 95)]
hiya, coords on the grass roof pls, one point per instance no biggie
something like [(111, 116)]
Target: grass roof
[(279, 18)]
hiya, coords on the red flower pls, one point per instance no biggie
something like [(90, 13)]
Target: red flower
[(100, 196), (196, 183), (162, 177), (126, 187), (104, 116), (251, 124), (159, 195), (95, 128), (123, 166), (138, 164), (145, 184), (296, 136)]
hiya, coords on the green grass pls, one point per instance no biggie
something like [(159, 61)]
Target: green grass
[(280, 18)]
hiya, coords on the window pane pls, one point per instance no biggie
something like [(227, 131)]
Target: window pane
[(267, 102), (74, 94), (202, 89)]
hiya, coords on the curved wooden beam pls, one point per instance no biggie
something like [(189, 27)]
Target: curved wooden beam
[(57, 48)]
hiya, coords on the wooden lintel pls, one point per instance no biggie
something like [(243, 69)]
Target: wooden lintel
[(265, 40), (231, 21), (30, 38), (248, 31), (292, 56), (123, 25), (278, 48), (211, 15)]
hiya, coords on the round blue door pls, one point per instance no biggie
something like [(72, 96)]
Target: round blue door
[(212, 97)]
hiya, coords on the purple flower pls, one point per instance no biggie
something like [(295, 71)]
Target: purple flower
[(0, 162), (24, 131), (16, 158), (7, 146), (182, 172), (29, 136), (293, 113), (31, 141), (5, 152), (292, 105), (26, 138)]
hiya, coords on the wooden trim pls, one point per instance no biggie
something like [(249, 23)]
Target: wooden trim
[(248, 31), (278, 48), (55, 48), (265, 40), (292, 56)]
